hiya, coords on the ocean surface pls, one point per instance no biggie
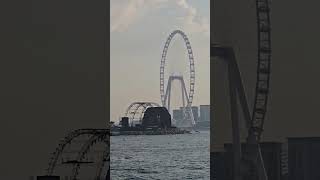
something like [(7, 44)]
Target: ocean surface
[(162, 157)]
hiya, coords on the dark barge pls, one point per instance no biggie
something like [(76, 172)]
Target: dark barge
[(156, 121)]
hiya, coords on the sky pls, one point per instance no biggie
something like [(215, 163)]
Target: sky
[(139, 29)]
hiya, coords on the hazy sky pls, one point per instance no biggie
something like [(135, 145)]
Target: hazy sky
[(139, 29)]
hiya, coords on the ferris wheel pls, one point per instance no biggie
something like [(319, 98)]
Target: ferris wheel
[(187, 97)]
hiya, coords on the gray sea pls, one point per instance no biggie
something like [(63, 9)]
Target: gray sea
[(165, 157)]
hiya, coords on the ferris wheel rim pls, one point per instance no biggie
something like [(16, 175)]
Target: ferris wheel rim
[(262, 86), (191, 66)]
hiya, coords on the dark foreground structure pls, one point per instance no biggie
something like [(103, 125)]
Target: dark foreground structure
[(58, 178), (296, 159), (48, 178), (156, 121), (222, 162), (304, 158)]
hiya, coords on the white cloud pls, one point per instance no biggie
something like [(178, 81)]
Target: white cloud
[(127, 13), (123, 15), (192, 21)]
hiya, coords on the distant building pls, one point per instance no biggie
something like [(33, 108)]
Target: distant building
[(204, 113), (177, 114), (124, 122), (195, 112)]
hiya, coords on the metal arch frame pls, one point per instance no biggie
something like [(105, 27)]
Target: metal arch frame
[(133, 111), (145, 107), (135, 106), (135, 103), (68, 140), (136, 109), (105, 161), (81, 154), (86, 148), (191, 61)]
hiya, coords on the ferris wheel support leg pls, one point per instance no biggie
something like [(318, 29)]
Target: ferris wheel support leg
[(169, 95), (235, 126), (252, 158), (166, 102), (253, 154), (188, 108), (183, 95)]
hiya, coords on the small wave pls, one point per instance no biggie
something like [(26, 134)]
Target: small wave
[(192, 168), (134, 178), (127, 157), (144, 171)]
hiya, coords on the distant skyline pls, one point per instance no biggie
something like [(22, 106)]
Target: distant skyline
[(139, 29)]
